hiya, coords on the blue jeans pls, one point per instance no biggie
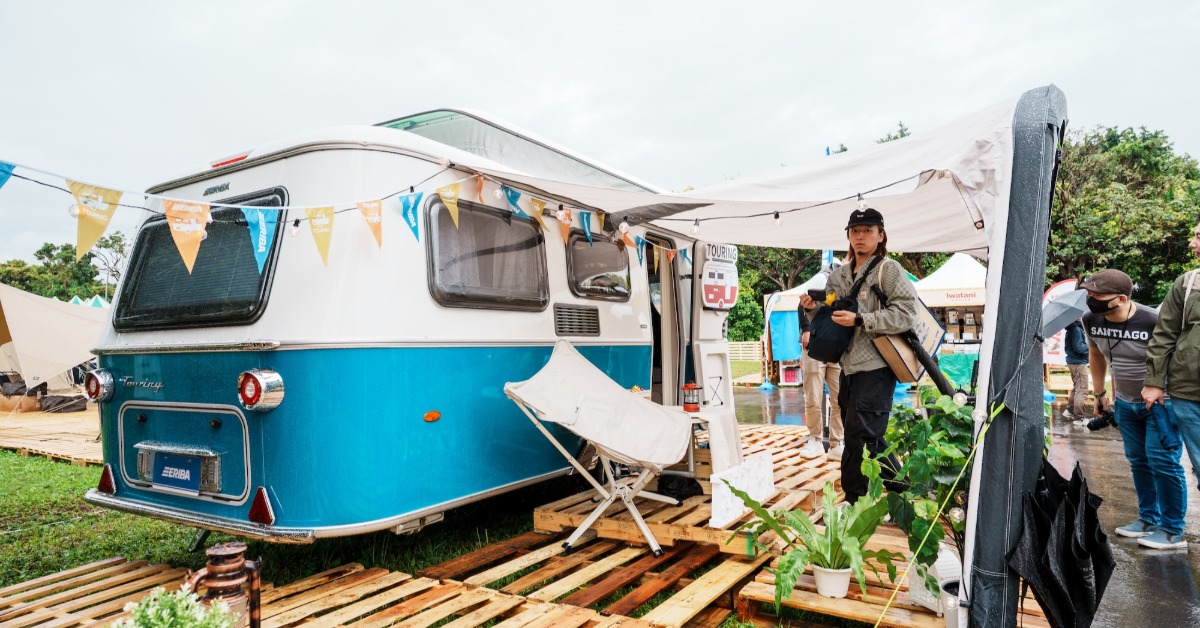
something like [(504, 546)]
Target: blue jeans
[(1157, 475), (1187, 416)]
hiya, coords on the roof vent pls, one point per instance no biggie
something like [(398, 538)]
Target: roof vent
[(576, 320)]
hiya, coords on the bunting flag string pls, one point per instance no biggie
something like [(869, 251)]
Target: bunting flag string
[(684, 252), (585, 219), (670, 256), (564, 221), (479, 190), (514, 200), (657, 252), (6, 171), (641, 248), (94, 209), (449, 194), (320, 222), (262, 232), (188, 223), (538, 207), (409, 204), (372, 212)]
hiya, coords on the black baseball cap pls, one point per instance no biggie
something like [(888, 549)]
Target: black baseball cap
[(867, 217), (1108, 281)]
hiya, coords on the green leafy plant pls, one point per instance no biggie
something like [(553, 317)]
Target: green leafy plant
[(839, 544), (177, 609)]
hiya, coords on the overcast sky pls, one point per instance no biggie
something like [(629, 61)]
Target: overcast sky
[(129, 94)]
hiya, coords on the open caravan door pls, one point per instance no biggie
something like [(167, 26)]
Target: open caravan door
[(715, 288)]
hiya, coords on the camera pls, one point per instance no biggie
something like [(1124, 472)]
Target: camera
[(1102, 421), (817, 295)]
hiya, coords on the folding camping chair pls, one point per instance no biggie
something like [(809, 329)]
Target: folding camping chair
[(623, 427)]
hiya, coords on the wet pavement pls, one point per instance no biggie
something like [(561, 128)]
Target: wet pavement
[(1149, 587)]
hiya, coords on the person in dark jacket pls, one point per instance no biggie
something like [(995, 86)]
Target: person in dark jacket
[(1077, 363)]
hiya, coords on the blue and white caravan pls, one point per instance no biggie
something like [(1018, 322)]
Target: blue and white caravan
[(274, 396)]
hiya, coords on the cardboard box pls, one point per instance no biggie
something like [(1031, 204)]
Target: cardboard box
[(900, 357)]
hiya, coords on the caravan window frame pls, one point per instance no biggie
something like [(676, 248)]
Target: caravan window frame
[(493, 299), (246, 316), (578, 235)]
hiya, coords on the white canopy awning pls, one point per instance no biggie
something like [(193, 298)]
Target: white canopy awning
[(960, 281), (46, 337)]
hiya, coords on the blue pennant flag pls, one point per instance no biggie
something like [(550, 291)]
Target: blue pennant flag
[(686, 257), (514, 196), (409, 204), (585, 219), (5, 173), (641, 247), (262, 232)]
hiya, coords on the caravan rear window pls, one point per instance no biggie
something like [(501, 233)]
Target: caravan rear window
[(224, 287), (493, 259), (598, 269)]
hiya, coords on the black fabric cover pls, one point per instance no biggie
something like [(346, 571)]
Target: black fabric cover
[(10, 389), (55, 403)]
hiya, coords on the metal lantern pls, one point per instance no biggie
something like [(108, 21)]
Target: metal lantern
[(691, 397)]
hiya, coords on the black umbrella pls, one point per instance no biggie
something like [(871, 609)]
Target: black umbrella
[(1059, 313), (1062, 553)]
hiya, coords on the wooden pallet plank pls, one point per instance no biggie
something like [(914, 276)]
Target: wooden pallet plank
[(51, 588), (456, 567), (55, 577), (91, 587), (84, 610), (104, 612), (521, 562), (525, 615), (409, 588), (711, 617), (703, 591), (282, 608), (697, 556), (556, 565), (466, 599), (388, 616), (497, 607), (563, 586), (369, 582), (845, 608), (564, 617), (623, 577), (309, 582)]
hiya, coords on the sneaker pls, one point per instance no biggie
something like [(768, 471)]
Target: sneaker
[(1080, 422), (1135, 530), (1066, 415), (812, 450), (836, 452), (1161, 539)]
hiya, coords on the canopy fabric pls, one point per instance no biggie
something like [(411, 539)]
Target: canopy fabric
[(960, 281), (46, 337)]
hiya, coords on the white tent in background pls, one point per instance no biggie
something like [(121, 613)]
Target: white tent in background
[(41, 338), (960, 281), (75, 300), (97, 301)]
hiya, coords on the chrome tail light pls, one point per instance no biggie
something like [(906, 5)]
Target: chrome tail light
[(260, 389), (98, 385)]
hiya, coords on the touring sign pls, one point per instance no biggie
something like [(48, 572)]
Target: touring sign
[(720, 278)]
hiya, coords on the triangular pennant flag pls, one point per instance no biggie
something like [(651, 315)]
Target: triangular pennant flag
[(372, 212), (600, 221), (96, 208), (514, 198), (480, 189), (685, 255), (188, 222), (262, 232), (585, 219), (565, 224), (320, 222), (656, 254), (670, 256), (641, 248), (449, 194), (408, 206), (538, 206), (5, 173), (628, 241)]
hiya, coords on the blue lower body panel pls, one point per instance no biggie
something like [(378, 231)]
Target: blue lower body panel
[(352, 442)]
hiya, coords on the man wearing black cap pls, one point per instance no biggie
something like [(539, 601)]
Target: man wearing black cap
[(1118, 331), (867, 383)]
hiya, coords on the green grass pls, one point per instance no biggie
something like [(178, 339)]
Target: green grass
[(742, 368)]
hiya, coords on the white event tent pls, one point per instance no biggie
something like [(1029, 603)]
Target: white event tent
[(42, 338), (960, 281)]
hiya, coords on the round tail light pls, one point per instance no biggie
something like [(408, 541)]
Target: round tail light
[(260, 389), (98, 385)]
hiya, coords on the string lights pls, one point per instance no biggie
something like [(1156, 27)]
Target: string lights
[(778, 220)]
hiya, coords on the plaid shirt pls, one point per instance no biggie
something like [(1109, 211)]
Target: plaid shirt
[(899, 316)]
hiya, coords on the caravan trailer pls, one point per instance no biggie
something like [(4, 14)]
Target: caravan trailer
[(306, 399)]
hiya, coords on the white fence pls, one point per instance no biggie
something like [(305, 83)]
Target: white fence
[(746, 351)]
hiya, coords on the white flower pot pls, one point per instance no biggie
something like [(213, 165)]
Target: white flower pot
[(832, 582)]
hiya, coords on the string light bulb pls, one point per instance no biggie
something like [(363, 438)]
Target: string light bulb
[(499, 193), (862, 203), (204, 235), (624, 226), (778, 220), (443, 162), (561, 214), (696, 226), (73, 210), (209, 220), (295, 230)]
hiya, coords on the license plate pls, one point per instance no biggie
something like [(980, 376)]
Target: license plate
[(177, 471)]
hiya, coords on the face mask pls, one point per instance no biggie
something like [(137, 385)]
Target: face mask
[(1100, 307)]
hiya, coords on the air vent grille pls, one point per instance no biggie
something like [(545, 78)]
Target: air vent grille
[(576, 320)]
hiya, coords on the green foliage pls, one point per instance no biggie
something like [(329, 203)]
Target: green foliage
[(901, 131), (746, 317), (1124, 199), (841, 544), (933, 455), (177, 609), (58, 274)]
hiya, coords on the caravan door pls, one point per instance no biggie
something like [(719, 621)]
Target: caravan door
[(715, 291)]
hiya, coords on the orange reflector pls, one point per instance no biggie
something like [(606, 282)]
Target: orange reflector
[(432, 416), (232, 160), (107, 484), (260, 510)]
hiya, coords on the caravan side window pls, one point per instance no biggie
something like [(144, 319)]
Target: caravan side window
[(598, 269), (491, 260)]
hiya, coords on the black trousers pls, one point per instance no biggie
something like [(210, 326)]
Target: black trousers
[(866, 402)]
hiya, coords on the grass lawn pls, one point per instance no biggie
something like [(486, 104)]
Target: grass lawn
[(742, 368)]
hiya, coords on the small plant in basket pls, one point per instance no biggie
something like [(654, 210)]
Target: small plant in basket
[(840, 545), (176, 609)]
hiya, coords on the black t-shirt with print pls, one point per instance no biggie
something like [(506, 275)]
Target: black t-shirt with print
[(1124, 346)]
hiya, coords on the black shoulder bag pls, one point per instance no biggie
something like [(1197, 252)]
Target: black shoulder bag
[(827, 340)]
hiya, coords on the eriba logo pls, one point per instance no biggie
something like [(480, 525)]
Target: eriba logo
[(178, 474)]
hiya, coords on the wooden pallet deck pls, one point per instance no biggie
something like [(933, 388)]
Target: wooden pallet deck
[(798, 482), (68, 436)]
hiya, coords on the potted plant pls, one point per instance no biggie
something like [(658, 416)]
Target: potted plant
[(838, 547), (175, 609)]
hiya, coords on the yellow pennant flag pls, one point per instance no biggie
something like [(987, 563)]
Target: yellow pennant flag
[(565, 225), (656, 259), (538, 205), (449, 194), (320, 222), (600, 220), (188, 223), (372, 212), (96, 208), (670, 256)]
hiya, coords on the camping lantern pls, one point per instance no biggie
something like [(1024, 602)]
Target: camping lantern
[(691, 397)]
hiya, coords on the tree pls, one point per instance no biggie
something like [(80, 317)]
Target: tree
[(62, 276), (21, 274), (901, 131), (745, 321), (111, 254), (1124, 199), (780, 269)]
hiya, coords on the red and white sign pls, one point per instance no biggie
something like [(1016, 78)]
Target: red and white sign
[(719, 281)]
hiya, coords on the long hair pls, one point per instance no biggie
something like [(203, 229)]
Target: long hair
[(880, 250)]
